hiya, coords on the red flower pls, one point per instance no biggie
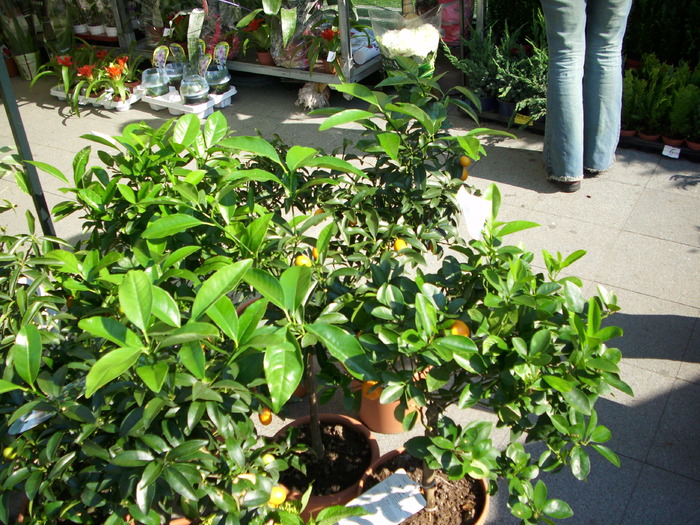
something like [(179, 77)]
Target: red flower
[(329, 34), (114, 71), (65, 60), (100, 54), (86, 71), (254, 24), (122, 60)]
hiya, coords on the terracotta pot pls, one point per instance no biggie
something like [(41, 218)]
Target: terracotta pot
[(380, 417), (265, 58), (649, 137), (11, 66), (328, 67), (318, 503), (397, 452), (695, 146), (628, 132), (676, 143)]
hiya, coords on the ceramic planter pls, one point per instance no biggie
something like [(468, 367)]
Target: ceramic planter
[(676, 143), (96, 30), (318, 503), (111, 31), (265, 58), (80, 29), (362, 486)]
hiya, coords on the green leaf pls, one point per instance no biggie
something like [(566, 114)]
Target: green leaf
[(48, 168), (6, 386), (577, 400), (297, 155), (390, 143), (345, 348), (607, 454), (516, 226), (192, 356), (296, 286), (223, 313), (136, 298), (27, 353), (426, 316), (165, 308), (557, 509), (111, 330), (522, 511), (539, 496), (109, 367), (345, 117), (255, 145), (215, 128), (284, 369), (219, 284), (170, 225), (333, 163), (132, 458), (266, 285), (153, 375), (359, 91), (462, 349), (556, 382), (186, 129), (179, 483)]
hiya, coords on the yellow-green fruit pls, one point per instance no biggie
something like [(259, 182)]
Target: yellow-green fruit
[(267, 459), (278, 495), (302, 260), (9, 453)]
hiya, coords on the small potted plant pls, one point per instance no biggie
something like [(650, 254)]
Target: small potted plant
[(19, 35), (255, 32)]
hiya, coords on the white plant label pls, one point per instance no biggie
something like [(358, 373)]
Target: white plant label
[(390, 502), (331, 56), (475, 211), (672, 152)]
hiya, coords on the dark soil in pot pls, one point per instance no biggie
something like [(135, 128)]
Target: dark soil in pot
[(347, 456), (459, 502)]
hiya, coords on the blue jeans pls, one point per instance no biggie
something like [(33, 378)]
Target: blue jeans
[(584, 84)]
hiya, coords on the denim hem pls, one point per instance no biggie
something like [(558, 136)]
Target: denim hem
[(565, 179)]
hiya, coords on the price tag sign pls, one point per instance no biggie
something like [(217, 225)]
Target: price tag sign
[(331, 56), (388, 503), (522, 119), (475, 211), (670, 151)]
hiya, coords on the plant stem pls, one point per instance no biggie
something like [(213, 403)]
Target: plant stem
[(314, 423), (428, 482)]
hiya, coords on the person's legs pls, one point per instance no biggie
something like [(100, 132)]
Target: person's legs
[(602, 81), (563, 142)]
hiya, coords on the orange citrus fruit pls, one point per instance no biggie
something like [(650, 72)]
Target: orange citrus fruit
[(278, 495), (460, 328), (319, 211), (265, 416), (399, 244), (370, 393), (314, 252), (465, 174), (465, 161), (302, 260)]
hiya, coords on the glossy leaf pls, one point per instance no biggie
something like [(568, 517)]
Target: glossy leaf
[(223, 313), (557, 509), (345, 348), (170, 225), (153, 375), (219, 284), (578, 400), (165, 308), (266, 285), (179, 483), (27, 353), (192, 356), (297, 155), (345, 117), (186, 129), (215, 128), (255, 145), (607, 454), (556, 382), (136, 298), (111, 330), (109, 367), (132, 458), (284, 368), (296, 286)]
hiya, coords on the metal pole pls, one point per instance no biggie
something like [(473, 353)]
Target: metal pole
[(25, 153)]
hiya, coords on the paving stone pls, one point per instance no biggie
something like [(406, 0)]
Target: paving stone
[(661, 497)]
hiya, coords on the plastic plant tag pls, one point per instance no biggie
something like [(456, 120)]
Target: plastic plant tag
[(670, 151), (388, 503), (178, 53), (522, 119), (331, 56), (475, 211), (221, 53), (204, 62), (160, 56)]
